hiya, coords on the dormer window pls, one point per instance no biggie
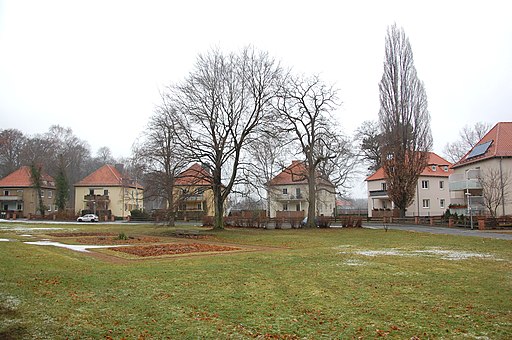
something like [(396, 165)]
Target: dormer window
[(445, 168), (434, 167)]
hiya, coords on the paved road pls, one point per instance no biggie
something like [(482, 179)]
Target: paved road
[(496, 234)]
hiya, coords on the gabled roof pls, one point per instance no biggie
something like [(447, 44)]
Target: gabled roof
[(107, 176), (195, 175), (433, 159), (295, 174), (500, 138), (22, 178)]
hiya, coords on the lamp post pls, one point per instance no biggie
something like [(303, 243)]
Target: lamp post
[(468, 195)]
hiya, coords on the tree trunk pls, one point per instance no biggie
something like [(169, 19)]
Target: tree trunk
[(311, 222), (218, 220), (402, 212)]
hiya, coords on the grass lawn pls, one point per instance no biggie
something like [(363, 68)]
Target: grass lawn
[(332, 283)]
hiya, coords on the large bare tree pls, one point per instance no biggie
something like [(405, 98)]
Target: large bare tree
[(468, 137), (305, 105), (220, 106), (404, 120)]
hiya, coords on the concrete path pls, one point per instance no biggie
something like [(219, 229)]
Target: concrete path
[(496, 234)]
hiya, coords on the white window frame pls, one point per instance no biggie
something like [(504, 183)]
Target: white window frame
[(426, 203), (424, 184), (285, 206), (441, 185), (442, 203), (434, 167)]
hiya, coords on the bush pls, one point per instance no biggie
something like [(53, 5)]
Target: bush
[(139, 215)]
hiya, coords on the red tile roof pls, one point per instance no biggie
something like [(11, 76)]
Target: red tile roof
[(22, 178), (195, 175), (107, 176), (501, 146), (294, 174), (434, 159)]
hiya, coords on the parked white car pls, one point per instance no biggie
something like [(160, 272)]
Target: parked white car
[(88, 218)]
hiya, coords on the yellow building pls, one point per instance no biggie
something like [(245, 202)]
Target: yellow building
[(19, 197), (193, 194), (108, 192)]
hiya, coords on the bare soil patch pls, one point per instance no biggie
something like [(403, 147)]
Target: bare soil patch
[(173, 249)]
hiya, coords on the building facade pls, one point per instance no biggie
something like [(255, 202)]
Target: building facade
[(193, 194), (288, 194), (108, 192), (484, 174), (18, 195), (432, 195)]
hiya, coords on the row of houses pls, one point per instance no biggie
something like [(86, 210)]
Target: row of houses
[(459, 186), (110, 192)]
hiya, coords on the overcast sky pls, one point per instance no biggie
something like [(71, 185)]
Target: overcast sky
[(98, 66)]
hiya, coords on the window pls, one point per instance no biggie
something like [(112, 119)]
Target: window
[(384, 186), (20, 206), (297, 193), (441, 185), (50, 194), (424, 184), (285, 207), (434, 168), (285, 191), (199, 206), (426, 204), (297, 207), (42, 193), (105, 192), (441, 203), (6, 193), (445, 168), (91, 192)]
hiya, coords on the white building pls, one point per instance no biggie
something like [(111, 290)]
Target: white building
[(489, 161), (432, 196), (288, 194)]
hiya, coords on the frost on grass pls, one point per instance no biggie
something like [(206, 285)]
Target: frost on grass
[(444, 254)]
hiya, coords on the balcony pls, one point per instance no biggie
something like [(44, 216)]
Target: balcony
[(378, 193), (459, 182), (11, 198), (290, 197), (193, 198), (97, 198)]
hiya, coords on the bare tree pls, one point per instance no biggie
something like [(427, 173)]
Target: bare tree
[(162, 157), (305, 105), (219, 107), (12, 142), (494, 189), (468, 137), (404, 120), (104, 155), (268, 155), (369, 139)]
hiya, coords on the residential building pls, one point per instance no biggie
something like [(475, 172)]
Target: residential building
[(108, 191), (18, 195), (432, 196), (193, 193), (489, 161), (288, 194)]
